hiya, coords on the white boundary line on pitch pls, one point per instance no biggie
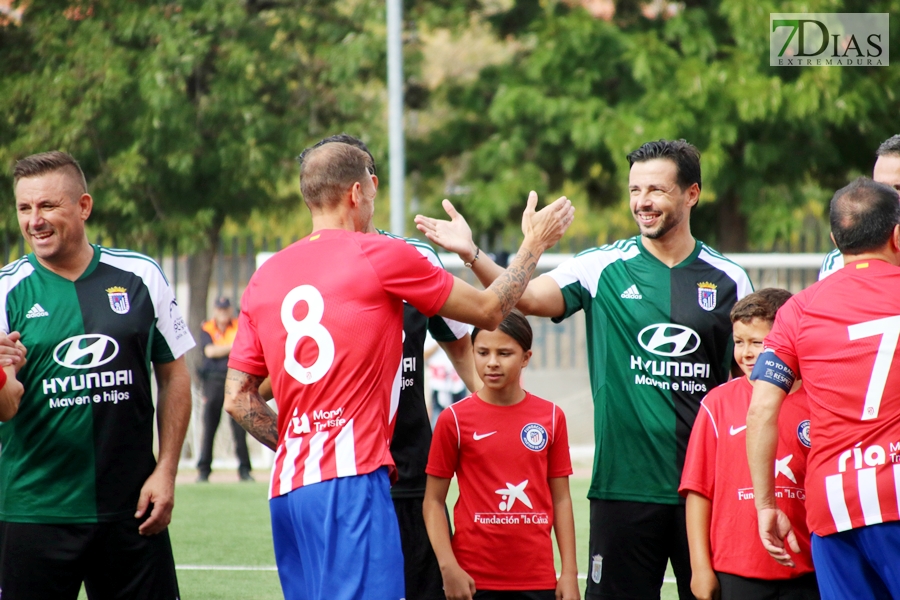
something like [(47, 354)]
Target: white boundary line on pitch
[(245, 568)]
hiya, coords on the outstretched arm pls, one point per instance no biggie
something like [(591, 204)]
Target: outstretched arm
[(542, 297), (246, 406), (762, 440), (173, 413)]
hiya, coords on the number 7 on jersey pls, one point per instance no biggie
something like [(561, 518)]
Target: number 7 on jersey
[(889, 330)]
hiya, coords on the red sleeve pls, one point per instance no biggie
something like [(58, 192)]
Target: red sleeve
[(699, 473), (247, 352), (784, 331), (444, 454), (559, 461), (406, 274), (3, 377)]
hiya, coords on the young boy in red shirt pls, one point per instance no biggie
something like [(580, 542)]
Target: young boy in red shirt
[(510, 453), (727, 559)]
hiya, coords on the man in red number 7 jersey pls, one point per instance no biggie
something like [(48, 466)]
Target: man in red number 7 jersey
[(840, 335), (323, 319)]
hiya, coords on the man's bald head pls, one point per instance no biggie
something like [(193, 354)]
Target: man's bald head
[(328, 171), (48, 162), (863, 216)]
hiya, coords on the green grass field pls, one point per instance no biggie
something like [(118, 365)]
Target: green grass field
[(223, 544)]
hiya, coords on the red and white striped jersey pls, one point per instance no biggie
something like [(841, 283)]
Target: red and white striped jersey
[(840, 335), (324, 319)]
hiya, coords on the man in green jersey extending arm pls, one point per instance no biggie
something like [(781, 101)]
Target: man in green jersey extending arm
[(659, 337)]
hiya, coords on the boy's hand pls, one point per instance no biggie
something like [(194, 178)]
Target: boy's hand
[(457, 583), (567, 587), (704, 584)]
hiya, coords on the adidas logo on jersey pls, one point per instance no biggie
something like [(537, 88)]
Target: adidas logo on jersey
[(36, 311), (632, 293)]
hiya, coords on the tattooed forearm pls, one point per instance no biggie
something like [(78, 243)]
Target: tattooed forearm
[(244, 403), (510, 286)]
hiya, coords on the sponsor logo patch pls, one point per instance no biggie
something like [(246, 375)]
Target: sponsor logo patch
[(706, 295), (99, 349), (596, 568), (803, 433), (118, 299), (668, 339), (534, 437), (36, 311), (631, 293)]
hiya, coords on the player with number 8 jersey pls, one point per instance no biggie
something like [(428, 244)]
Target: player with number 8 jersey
[(330, 335)]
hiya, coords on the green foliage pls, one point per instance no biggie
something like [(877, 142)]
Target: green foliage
[(184, 114), (583, 92)]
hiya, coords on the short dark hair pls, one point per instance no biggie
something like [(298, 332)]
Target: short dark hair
[(685, 156), (759, 305), (889, 147), (327, 171), (863, 216), (342, 138), (516, 326), (47, 162)]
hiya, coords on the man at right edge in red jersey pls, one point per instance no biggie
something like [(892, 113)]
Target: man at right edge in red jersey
[(323, 319), (840, 335)]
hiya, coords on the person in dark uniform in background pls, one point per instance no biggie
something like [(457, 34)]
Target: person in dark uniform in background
[(216, 338)]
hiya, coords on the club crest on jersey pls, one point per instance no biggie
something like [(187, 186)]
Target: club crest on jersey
[(118, 299), (706, 295), (803, 433), (534, 437)]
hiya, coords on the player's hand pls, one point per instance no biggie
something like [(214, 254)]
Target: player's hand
[(12, 352), (453, 235), (547, 225), (567, 587), (705, 584), (774, 529), (457, 583), (158, 490)]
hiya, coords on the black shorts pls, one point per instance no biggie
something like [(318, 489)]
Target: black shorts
[(515, 595), (735, 587), (423, 575), (112, 559), (630, 545)]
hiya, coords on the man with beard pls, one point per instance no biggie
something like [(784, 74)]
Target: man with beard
[(659, 337)]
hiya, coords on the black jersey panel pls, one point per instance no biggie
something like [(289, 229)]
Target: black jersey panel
[(117, 304)]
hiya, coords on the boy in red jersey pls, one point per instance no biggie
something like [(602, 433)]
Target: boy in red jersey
[(510, 452), (840, 335), (727, 561)]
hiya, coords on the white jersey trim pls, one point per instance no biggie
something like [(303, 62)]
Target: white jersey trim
[(10, 276), (834, 261), (586, 268), (458, 329), (169, 320), (734, 271), (711, 419)]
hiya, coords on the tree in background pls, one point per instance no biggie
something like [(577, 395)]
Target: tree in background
[(187, 114), (587, 84)]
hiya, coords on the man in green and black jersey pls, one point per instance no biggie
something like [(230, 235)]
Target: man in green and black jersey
[(659, 337), (82, 498)]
